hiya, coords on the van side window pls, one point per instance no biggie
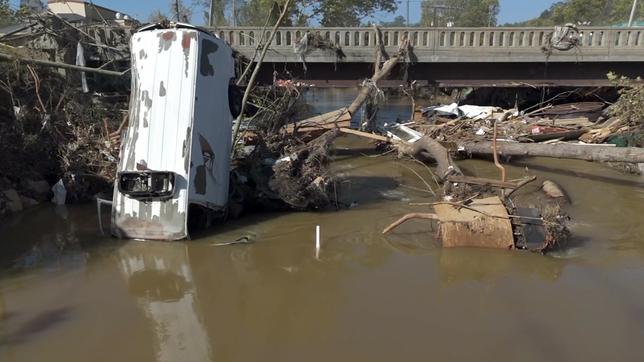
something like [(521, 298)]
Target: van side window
[(235, 97)]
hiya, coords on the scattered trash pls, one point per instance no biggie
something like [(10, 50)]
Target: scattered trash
[(467, 111)]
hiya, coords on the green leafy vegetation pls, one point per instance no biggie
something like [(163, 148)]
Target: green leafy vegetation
[(466, 13), (6, 15), (630, 105), (324, 12), (592, 12)]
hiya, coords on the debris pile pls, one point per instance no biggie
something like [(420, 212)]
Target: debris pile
[(312, 41), (584, 130), (281, 163), (55, 123)]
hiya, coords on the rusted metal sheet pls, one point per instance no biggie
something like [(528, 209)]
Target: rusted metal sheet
[(592, 110), (484, 223), (539, 133), (532, 230), (179, 125)]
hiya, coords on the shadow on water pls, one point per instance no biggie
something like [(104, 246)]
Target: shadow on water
[(614, 180), (467, 265), (42, 322), (352, 191), (49, 237)]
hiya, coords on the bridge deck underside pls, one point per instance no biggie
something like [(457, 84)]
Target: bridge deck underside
[(458, 74)]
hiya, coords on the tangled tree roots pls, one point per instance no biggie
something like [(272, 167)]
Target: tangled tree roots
[(301, 179)]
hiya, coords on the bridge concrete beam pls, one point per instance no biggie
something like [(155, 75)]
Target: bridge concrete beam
[(459, 74)]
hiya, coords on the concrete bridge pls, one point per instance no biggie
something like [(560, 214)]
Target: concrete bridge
[(457, 56)]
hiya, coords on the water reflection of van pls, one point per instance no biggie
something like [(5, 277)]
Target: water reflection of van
[(175, 156)]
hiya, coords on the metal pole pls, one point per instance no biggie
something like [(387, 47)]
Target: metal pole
[(407, 13), (630, 20)]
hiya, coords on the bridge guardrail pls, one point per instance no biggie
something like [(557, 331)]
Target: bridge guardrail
[(448, 44)]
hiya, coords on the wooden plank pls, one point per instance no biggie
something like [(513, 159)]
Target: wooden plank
[(364, 134), (578, 121), (488, 227)]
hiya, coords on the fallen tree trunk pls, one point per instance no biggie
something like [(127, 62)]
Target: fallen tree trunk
[(407, 217), (569, 151), (427, 146), (379, 71)]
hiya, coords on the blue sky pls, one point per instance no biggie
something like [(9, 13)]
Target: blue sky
[(511, 10)]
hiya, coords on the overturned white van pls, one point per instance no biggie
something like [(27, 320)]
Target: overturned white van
[(175, 156)]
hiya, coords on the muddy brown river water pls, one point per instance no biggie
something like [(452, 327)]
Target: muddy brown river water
[(69, 294)]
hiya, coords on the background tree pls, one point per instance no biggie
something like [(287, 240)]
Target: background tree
[(180, 12), (6, 14), (219, 8), (258, 12), (325, 12), (398, 21), (349, 12), (595, 12), (158, 16), (468, 13)]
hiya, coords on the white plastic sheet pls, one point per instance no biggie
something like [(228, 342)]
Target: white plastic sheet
[(467, 111), (60, 193)]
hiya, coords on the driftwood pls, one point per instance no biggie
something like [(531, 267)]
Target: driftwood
[(483, 182), (408, 217), (568, 151), (46, 63), (372, 136), (321, 123), (427, 146)]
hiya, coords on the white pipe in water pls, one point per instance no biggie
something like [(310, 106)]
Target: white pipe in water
[(317, 241)]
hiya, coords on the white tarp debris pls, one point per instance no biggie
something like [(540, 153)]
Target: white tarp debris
[(301, 48), (467, 111), (80, 61), (60, 193), (400, 132)]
